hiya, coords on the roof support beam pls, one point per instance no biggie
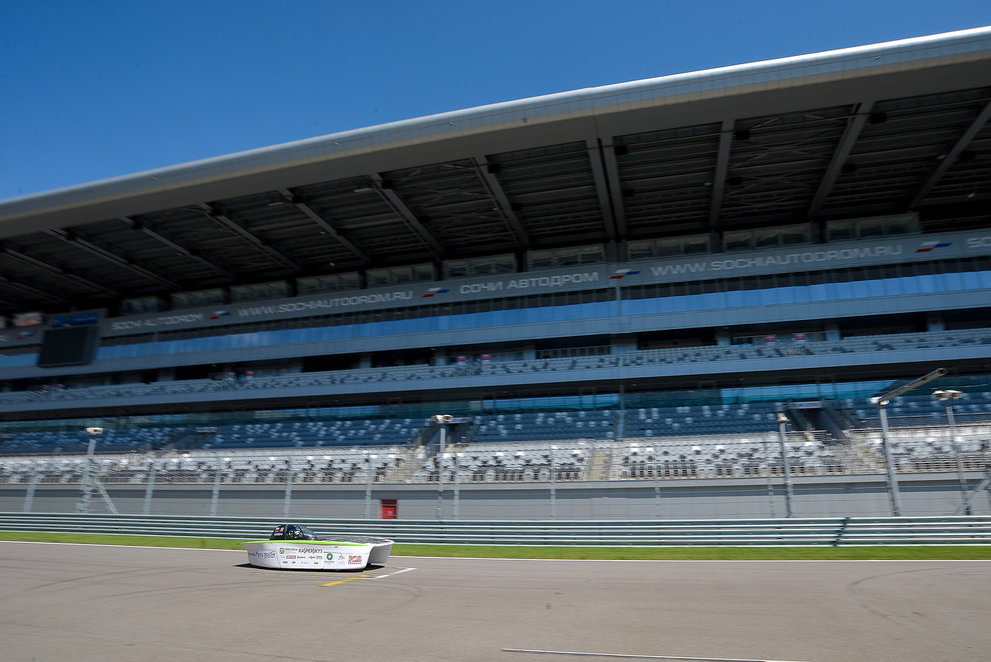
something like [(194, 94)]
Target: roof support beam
[(951, 157), (404, 212), (722, 167), (842, 152), (219, 217), (32, 291), (615, 187), (520, 236), (303, 206), (596, 161), (54, 270), (84, 244), (178, 248)]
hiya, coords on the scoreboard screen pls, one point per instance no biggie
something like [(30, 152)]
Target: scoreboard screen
[(74, 345)]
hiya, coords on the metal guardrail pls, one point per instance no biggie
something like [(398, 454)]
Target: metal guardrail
[(808, 532)]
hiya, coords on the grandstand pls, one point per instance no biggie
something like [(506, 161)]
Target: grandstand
[(666, 296)]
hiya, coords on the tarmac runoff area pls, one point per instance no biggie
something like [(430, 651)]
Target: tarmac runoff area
[(82, 602)]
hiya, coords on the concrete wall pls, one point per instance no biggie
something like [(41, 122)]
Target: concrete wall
[(865, 496)]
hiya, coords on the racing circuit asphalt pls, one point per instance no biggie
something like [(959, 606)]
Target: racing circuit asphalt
[(81, 603)]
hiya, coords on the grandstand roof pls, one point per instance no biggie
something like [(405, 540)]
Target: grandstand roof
[(875, 130)]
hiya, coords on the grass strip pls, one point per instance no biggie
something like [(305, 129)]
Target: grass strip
[(920, 553)]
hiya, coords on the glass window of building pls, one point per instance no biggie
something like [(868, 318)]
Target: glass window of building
[(414, 273), (328, 283), (209, 297), (695, 245), (257, 291), (668, 247), (840, 231), (795, 234), (743, 240), (566, 257), (141, 305), (737, 240), (880, 226), (481, 266)]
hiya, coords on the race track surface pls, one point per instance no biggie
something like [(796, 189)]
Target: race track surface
[(82, 603)]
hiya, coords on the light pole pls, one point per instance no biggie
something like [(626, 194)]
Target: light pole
[(553, 484), (782, 420), (457, 484), (88, 479), (368, 484), (442, 420), (882, 402), (889, 464), (947, 397), (770, 479), (286, 498)]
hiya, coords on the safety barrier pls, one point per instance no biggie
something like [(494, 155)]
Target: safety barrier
[(833, 532)]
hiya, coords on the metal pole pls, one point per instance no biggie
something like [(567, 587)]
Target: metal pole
[(770, 482), (947, 396), (215, 494), (987, 477), (368, 485), (882, 401), (956, 453), (440, 471), (789, 489), (553, 485), (287, 499), (457, 486), (82, 506), (889, 465), (29, 495), (149, 488)]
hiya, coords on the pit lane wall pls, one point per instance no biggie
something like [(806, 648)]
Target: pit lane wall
[(867, 495)]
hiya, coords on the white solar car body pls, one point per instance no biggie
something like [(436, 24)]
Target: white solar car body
[(295, 547)]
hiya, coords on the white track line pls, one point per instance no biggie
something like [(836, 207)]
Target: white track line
[(393, 574), (637, 657)]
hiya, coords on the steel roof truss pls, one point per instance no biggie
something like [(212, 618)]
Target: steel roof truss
[(57, 271), (855, 125), (722, 167), (178, 248), (951, 157), (88, 246), (407, 215), (303, 206), (615, 185), (224, 220), (615, 228), (489, 180), (27, 289)]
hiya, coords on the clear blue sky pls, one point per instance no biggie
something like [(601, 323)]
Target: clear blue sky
[(90, 90)]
